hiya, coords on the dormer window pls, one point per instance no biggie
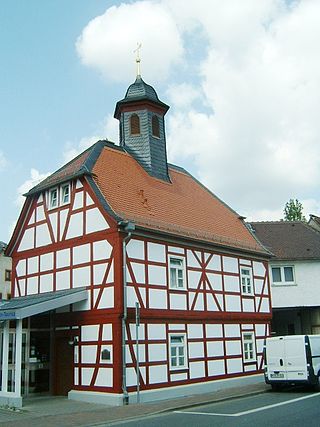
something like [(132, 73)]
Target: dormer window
[(58, 196), (65, 194), (134, 124), (155, 126), (53, 198)]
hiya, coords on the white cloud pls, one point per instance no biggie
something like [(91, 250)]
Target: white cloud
[(108, 41), (35, 178)]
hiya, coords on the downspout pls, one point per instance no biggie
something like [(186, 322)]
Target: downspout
[(127, 227)]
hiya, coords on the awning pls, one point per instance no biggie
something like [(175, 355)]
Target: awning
[(30, 305)]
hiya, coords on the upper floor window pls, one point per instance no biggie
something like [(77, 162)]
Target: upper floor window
[(58, 196), (7, 275), (282, 275), (155, 126), (65, 194), (53, 198), (249, 354), (246, 281), (177, 277), (178, 352), (134, 124)]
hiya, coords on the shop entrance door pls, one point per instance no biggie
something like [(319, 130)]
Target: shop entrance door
[(63, 365)]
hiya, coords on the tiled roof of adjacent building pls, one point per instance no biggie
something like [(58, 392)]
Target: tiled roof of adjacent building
[(289, 240)]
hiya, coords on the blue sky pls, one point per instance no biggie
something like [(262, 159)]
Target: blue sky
[(242, 80)]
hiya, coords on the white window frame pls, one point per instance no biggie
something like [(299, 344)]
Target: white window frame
[(249, 347), (51, 206), (62, 188), (178, 355), (283, 282), (176, 286), (247, 288)]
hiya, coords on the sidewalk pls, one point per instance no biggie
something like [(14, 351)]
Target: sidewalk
[(61, 412)]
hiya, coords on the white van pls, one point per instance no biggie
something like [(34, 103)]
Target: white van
[(292, 360)]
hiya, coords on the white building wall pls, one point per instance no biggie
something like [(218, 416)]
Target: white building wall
[(5, 286)]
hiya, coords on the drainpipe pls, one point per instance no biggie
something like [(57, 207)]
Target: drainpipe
[(127, 227)]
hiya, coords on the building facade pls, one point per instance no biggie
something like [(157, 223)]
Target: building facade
[(129, 275), (5, 273)]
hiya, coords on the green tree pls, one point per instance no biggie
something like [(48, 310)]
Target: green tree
[(293, 211)]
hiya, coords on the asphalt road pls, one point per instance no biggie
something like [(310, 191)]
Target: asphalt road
[(283, 409)]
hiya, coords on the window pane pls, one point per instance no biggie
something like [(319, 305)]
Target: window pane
[(176, 262), (288, 274), (181, 361), (176, 339), (173, 361), (173, 277), (276, 274)]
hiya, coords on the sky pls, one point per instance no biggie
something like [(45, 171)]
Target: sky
[(242, 79)]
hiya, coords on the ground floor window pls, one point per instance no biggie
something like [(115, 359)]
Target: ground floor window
[(178, 351), (249, 353)]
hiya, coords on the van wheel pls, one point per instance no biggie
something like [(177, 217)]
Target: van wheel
[(316, 387), (275, 387)]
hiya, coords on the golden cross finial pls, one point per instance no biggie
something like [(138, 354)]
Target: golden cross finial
[(138, 60)]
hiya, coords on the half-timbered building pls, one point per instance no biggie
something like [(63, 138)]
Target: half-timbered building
[(117, 232)]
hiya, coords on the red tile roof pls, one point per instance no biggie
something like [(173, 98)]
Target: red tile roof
[(183, 207)]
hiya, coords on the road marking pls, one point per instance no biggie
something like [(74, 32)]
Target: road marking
[(251, 411)]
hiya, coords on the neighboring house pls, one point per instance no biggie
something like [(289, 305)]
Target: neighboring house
[(294, 275), (5, 273), (116, 227)]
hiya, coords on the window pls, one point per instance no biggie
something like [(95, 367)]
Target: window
[(178, 351), (249, 354), (246, 281), (65, 194), (134, 124), (7, 275), (177, 273), (155, 127), (53, 198), (282, 275)]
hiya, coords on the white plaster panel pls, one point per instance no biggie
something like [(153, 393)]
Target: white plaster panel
[(178, 301), (234, 365), (78, 200), (156, 331), (75, 228), (104, 377), (46, 262), (131, 296), (101, 250), (110, 277), (245, 262), (33, 265), (22, 286), (195, 331), (260, 330), (32, 218), (215, 368), (232, 330), (265, 306), (89, 332), (131, 377), (231, 283), (63, 218), (193, 279), (233, 348), (258, 285), (46, 283), (233, 303), (211, 303), (176, 250), (88, 353), (176, 327), (89, 201), (215, 281), (81, 305), (230, 264), (156, 252), (214, 331), (220, 301), (248, 304), (157, 298), (107, 298), (32, 285), (63, 258), (141, 331), (107, 332), (53, 218), (42, 235), (258, 269), (214, 263), (76, 376), (40, 213), (21, 268), (215, 348), (157, 352), (249, 368), (157, 275), (142, 353), (95, 221), (196, 350), (99, 271), (86, 375), (128, 355), (259, 344), (63, 280), (81, 254), (199, 305), (81, 277), (196, 369), (27, 241), (248, 326), (179, 377), (79, 184), (139, 272), (158, 374), (192, 260), (135, 249)]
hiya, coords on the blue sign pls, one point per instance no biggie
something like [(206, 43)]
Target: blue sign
[(7, 315)]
